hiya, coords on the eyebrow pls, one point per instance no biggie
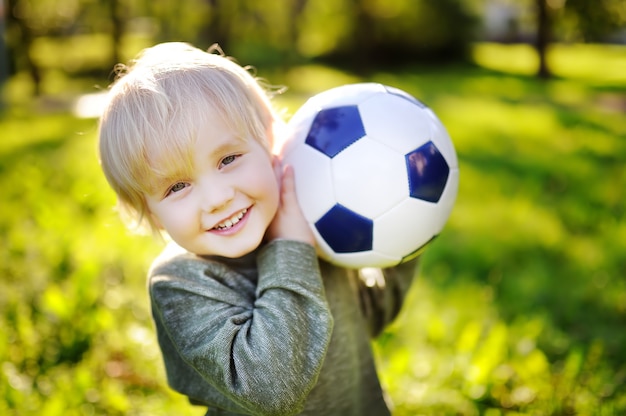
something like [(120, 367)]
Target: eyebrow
[(160, 182), (160, 185), (226, 145)]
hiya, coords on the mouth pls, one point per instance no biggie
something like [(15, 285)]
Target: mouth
[(230, 222)]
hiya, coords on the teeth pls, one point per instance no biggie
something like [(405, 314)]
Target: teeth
[(231, 221)]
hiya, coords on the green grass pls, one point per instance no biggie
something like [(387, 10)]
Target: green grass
[(519, 308), (522, 299)]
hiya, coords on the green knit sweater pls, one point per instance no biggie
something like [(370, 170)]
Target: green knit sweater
[(277, 332)]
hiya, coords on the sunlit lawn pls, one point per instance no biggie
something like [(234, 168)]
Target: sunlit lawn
[(522, 301), (520, 307)]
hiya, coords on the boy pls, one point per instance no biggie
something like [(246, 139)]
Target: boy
[(248, 319)]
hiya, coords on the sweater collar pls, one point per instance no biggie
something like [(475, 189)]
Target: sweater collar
[(245, 264)]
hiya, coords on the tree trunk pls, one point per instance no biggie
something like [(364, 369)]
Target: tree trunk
[(216, 29), (21, 52), (364, 41), (291, 53), (544, 24), (4, 56), (117, 21)]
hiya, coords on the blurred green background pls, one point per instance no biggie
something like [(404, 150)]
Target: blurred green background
[(520, 306)]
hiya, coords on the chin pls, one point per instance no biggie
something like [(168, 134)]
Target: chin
[(240, 251)]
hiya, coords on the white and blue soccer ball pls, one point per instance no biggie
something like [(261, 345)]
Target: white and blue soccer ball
[(376, 173)]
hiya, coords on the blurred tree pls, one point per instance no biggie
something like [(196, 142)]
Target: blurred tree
[(363, 37), (359, 34), (180, 20), (596, 21), (587, 21), (4, 63), (384, 32), (117, 14), (216, 28), (262, 31), (22, 33), (562, 20), (295, 14), (29, 20), (544, 28)]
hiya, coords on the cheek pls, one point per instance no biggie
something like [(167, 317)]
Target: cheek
[(153, 216), (161, 220), (275, 191), (156, 221), (170, 220), (268, 185)]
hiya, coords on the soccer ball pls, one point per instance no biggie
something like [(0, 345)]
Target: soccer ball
[(376, 173)]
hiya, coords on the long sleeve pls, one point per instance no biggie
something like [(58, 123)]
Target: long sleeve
[(245, 346), (382, 293)]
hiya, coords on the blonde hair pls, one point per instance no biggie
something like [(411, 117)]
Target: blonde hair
[(155, 108)]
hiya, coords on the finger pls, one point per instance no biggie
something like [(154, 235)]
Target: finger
[(278, 169), (289, 184)]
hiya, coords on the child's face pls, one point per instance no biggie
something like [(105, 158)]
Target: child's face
[(226, 206)]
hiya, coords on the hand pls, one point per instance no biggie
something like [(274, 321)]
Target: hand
[(289, 222)]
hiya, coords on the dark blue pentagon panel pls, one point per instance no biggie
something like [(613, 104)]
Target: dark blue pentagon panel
[(428, 172), (346, 231), (334, 129), (406, 96)]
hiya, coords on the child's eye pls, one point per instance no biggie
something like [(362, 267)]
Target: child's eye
[(228, 160), (177, 187)]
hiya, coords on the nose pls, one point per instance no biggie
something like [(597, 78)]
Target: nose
[(216, 196)]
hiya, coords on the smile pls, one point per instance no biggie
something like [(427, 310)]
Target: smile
[(228, 223)]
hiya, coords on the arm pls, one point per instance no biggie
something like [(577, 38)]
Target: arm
[(382, 293), (261, 347)]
